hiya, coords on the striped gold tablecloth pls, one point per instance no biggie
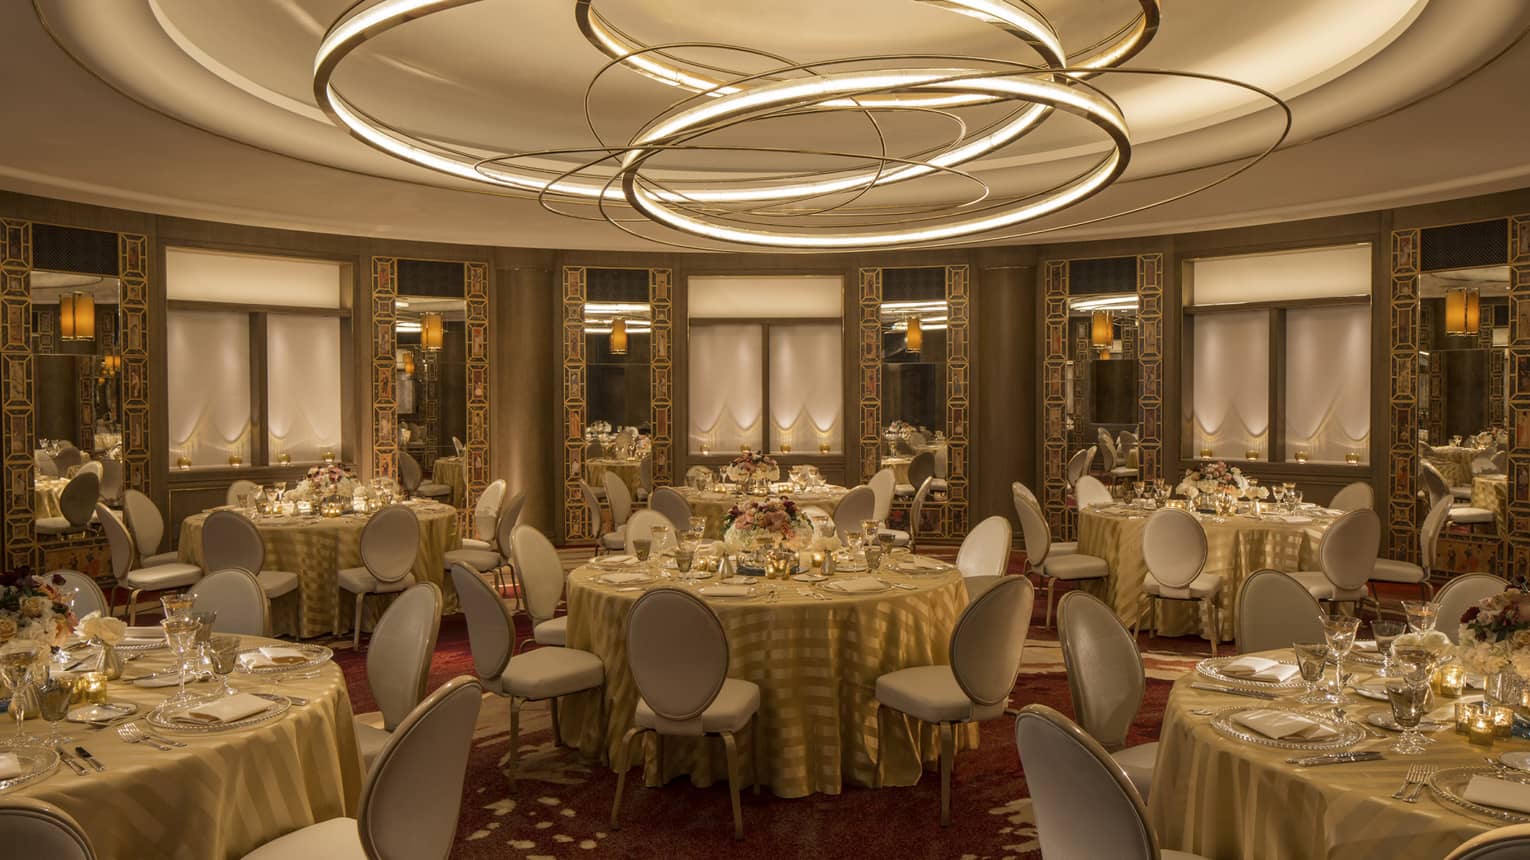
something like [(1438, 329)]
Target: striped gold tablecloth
[(1237, 546), (1492, 492), (453, 473), (318, 548), (45, 493), (715, 506), (1455, 462), (1223, 798), (225, 794), (817, 663), (595, 470)]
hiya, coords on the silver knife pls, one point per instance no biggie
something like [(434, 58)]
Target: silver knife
[(1234, 691), (1335, 758), (68, 759), (89, 759)]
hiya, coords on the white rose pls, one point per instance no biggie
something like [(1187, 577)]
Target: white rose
[(107, 629)]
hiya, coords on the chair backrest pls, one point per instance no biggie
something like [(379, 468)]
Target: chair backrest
[(985, 549), (1089, 460), (504, 527), (591, 507), (1348, 551), (858, 504), (67, 459), (1274, 610), (1076, 465), (1355, 496), (671, 504), (398, 658), (916, 508), (412, 796), (921, 467), (1019, 492), (1500, 461), (1108, 453), (1434, 483), (46, 466), (1085, 805), (143, 521), (78, 500), (882, 485), (235, 594), (1174, 547), (1088, 492), (1035, 533), (641, 526), (698, 473), (36, 828), (458, 447), (389, 543), (678, 653), (93, 467), (645, 473), (486, 510), (410, 475), (491, 630), (1461, 594), (229, 539), (239, 488), (1105, 675), (119, 542), (987, 643), (1501, 843), (541, 572), (88, 597), (619, 498), (1125, 444), (1429, 533)]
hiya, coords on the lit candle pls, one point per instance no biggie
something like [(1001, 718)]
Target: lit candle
[(1464, 713), (1503, 721), (1206, 453), (1452, 681), (95, 687), (823, 447), (819, 561), (705, 449), (1480, 731), (1301, 456), (1351, 457), (1251, 454)]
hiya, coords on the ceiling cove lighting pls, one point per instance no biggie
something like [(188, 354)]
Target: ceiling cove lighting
[(1463, 311), (783, 203)]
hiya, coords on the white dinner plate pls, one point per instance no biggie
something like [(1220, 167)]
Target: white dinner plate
[(809, 577), (1384, 720), (837, 586), (1517, 760), (101, 713)]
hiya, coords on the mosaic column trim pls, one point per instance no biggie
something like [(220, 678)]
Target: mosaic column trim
[(661, 373), (1150, 364), (477, 294), (133, 274), (869, 373), (958, 397), (384, 376), (16, 390), (576, 521), (1054, 367), (1402, 449), (1519, 397)]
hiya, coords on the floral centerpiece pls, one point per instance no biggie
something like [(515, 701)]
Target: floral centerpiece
[(597, 429), (778, 521), (1209, 478), (32, 609), (1495, 634), (1436, 644), (753, 465), (330, 479)]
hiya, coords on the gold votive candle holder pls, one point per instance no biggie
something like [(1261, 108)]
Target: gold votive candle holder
[(1206, 453), (823, 447), (1465, 711), (1351, 457), (1301, 456), (1251, 454), (786, 447), (706, 450), (235, 460), (95, 687), (183, 462), (1480, 730), (1452, 681), (1503, 721), (818, 560)]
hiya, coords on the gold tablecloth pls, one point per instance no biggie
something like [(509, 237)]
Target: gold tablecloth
[(1236, 547), (226, 793), (595, 470), (453, 473), (316, 549), (1455, 462), (45, 493), (1492, 492), (715, 506), (1222, 798), (817, 663)]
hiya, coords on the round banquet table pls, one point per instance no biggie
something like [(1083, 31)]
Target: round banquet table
[(317, 548), (451, 472), (628, 470), (45, 493), (715, 505), (1455, 462), (1236, 547), (1492, 492), (1224, 798), (226, 793), (817, 663)]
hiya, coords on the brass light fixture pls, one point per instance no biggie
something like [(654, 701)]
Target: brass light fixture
[(619, 336), (431, 332), (1463, 311), (1102, 334), (76, 316), (408, 362), (914, 340)]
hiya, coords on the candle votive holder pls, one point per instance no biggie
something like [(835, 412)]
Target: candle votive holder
[(1452, 681), (1503, 721), (1465, 711), (95, 687), (1351, 457), (1481, 730)]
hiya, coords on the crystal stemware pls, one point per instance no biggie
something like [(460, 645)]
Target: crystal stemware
[(176, 604), (870, 528), (685, 556), (1339, 632), (1422, 614), (53, 697), (181, 636), (220, 655), (641, 547), (1409, 703), (1384, 632), (16, 668), (1311, 657), (1279, 492)]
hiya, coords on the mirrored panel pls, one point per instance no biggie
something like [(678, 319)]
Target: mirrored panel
[(914, 315), (618, 349), (1101, 385), (431, 364), (76, 347), (1463, 388)]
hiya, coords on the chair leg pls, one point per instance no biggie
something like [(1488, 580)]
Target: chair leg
[(730, 746), (133, 606), (515, 738), (1051, 584), (755, 757), (361, 602), (623, 764), (947, 752), (881, 746), (552, 705), (1214, 616), (1137, 622)]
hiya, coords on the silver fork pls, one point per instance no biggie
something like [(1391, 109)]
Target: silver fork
[(1419, 789), (1413, 777), (134, 735)]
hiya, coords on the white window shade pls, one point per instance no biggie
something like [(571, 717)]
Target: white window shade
[(1232, 384), (303, 386), (806, 387), (208, 356), (726, 388), (794, 296), (1310, 273), (1328, 383), (214, 276)]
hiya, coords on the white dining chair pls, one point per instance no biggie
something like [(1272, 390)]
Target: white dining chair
[(1122, 455), (605, 541), (641, 525), (857, 505), (909, 537), (619, 498), (540, 674), (147, 526), (93, 467), (1438, 492), (669, 502), (1106, 681), (45, 464), (67, 458), (486, 515), (1353, 496), (1084, 803), (542, 580), (1406, 572), (412, 795), (1461, 594), (678, 654), (31, 828), (983, 558), (458, 448), (234, 594), (1346, 556), (1076, 467), (985, 650), (1511, 842), (700, 473), (882, 484), (124, 558), (113, 481), (494, 556), (1020, 493), (1075, 567), (230, 540), (410, 474), (1175, 550), (645, 478), (920, 467), (1089, 492), (390, 541), (1275, 610), (398, 663), (87, 595), (76, 504), (240, 488)]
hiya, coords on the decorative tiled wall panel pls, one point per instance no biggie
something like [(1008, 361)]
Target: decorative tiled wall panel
[(16, 399), (1402, 447), (661, 373), (1054, 368), (477, 295), (1519, 396), (384, 376), (868, 353), (576, 521), (958, 397), (1149, 329), (133, 275)]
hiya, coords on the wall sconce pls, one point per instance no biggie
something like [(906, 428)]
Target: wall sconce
[(1463, 311), (76, 316), (1102, 334), (408, 362), (913, 341), (619, 337), (111, 365), (432, 333)]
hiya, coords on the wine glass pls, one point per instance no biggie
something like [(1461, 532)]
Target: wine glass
[(1279, 492), (1422, 614), (181, 636), (1409, 702), (873, 557), (53, 697), (696, 527), (1384, 632), (1339, 632), (281, 491), (641, 546), (870, 528), (176, 604), (885, 540), (685, 555), (220, 656), (1311, 657), (16, 668)]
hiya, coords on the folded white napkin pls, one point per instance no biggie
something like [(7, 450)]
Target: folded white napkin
[(727, 590), (859, 585), (1366, 645), (275, 655), (923, 563), (1259, 669), (162, 679), (621, 577), (741, 580), (1500, 793), (225, 710), (155, 633), (617, 560), (1284, 724), (10, 766)]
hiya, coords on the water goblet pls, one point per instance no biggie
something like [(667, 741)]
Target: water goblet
[(854, 541), (16, 670), (1409, 703), (181, 636), (696, 527), (1311, 657), (177, 604), (220, 654), (1339, 632), (1422, 614), (53, 697), (870, 529), (885, 540), (685, 556), (1278, 491), (659, 538), (873, 557), (640, 547), (1384, 632)]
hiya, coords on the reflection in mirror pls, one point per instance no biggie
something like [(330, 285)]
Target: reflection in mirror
[(617, 349), (76, 345), (1100, 389), (1462, 381), (431, 363), (914, 316)]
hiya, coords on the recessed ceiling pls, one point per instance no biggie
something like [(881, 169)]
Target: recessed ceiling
[(203, 108)]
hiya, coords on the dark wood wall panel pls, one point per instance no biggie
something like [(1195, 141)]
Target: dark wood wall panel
[(1401, 512), (16, 398)]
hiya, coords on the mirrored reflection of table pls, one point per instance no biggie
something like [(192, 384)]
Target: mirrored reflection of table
[(816, 661), (1223, 798), (715, 505), (1492, 492), (45, 493), (453, 473), (226, 793), (629, 470), (1455, 462)]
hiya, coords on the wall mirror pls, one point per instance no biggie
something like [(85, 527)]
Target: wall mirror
[(430, 358), (77, 369), (1103, 370), (1463, 345), (914, 314)]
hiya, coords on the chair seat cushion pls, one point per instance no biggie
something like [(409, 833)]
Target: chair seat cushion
[(553, 631), (163, 576), (736, 702), (548, 672), (276, 583), (904, 489), (899, 536), (614, 540), (1075, 566), (1318, 586), (432, 489), (480, 560), (1138, 762), (369, 740), (55, 525), (160, 558), (1391, 570), (1469, 514), (1204, 585), (359, 580), (1061, 548), (475, 543), (335, 839), (931, 694)]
